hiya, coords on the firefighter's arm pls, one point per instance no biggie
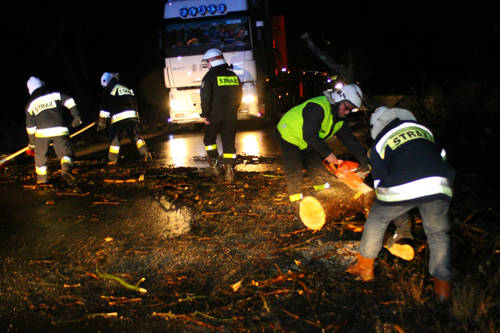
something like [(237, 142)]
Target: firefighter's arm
[(31, 138), (102, 121), (353, 145), (30, 130), (379, 168), (206, 98), (70, 104), (313, 116)]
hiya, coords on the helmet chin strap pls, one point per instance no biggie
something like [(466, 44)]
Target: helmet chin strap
[(328, 94)]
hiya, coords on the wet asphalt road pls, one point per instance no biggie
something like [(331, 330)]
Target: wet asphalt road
[(186, 148), (55, 236), (27, 212)]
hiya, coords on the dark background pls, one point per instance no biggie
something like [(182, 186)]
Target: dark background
[(390, 48)]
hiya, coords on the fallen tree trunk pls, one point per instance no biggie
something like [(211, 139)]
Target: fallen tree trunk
[(339, 200)]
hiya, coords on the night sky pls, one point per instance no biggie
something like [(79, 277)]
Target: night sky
[(391, 48)]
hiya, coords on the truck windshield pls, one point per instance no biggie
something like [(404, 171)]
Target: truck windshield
[(196, 37)]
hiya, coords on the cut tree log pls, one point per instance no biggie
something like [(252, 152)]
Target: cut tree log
[(337, 201)]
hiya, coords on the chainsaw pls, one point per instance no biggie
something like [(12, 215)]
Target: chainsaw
[(347, 172)]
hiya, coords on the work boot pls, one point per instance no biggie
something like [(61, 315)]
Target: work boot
[(442, 289), (228, 172), (147, 158), (213, 168), (363, 268), (41, 181), (296, 211), (401, 247), (69, 178)]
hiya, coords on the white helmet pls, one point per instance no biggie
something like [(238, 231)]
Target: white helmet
[(350, 92), (34, 83), (384, 115), (214, 56), (107, 77)]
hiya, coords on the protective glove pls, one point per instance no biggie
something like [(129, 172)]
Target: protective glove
[(364, 170), (101, 125), (76, 122), (30, 151)]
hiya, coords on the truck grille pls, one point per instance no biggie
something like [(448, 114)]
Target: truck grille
[(196, 100)]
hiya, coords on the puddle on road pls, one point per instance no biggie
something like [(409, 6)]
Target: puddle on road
[(171, 221), (188, 150)]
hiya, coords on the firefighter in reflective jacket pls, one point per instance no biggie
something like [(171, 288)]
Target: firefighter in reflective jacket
[(45, 123), (221, 94), (409, 171), (304, 130), (119, 107)]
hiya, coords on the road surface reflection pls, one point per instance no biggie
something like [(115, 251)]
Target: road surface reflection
[(188, 150)]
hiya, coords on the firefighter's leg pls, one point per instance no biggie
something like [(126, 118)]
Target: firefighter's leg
[(228, 133), (114, 147), (400, 243), (291, 157), (41, 151), (62, 147), (317, 174), (403, 227), (134, 133), (210, 142)]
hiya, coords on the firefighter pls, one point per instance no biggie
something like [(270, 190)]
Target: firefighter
[(45, 124), (303, 131), (119, 107), (221, 94), (409, 171)]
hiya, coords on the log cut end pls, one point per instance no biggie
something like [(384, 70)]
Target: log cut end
[(339, 201), (312, 213)]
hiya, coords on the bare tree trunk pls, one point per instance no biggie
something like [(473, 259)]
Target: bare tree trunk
[(338, 201)]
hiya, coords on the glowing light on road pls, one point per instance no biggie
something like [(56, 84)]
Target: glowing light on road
[(250, 144), (178, 150)]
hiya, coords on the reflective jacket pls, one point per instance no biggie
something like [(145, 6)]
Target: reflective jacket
[(312, 123), (46, 113), (291, 125), (408, 164), (220, 93), (118, 103)]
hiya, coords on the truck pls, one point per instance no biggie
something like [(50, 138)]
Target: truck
[(252, 42)]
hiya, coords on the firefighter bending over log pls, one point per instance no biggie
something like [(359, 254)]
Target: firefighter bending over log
[(304, 130), (409, 171)]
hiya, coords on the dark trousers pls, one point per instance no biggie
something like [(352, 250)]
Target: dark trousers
[(294, 161), (436, 226), (62, 148), (225, 126), (119, 130)]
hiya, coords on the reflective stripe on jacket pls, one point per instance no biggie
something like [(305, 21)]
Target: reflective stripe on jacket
[(45, 113), (124, 115), (51, 131), (408, 164), (118, 103)]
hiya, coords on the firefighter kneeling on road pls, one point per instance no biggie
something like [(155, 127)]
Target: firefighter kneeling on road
[(119, 105), (304, 130), (409, 171), (45, 123), (221, 94)]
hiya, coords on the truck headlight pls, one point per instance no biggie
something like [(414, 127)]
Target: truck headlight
[(249, 93), (248, 99), (177, 105)]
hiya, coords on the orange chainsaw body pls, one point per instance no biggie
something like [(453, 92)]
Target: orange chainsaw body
[(346, 172)]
